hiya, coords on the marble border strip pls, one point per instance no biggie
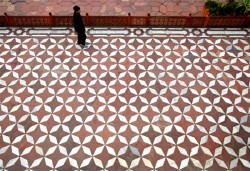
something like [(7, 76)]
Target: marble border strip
[(123, 32)]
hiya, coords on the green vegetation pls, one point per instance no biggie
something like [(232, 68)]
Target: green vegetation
[(229, 8)]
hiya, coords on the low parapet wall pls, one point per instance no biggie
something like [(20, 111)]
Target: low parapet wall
[(125, 21)]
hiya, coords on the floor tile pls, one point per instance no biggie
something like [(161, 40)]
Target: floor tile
[(166, 98)]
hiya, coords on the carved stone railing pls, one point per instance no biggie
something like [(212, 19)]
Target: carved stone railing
[(2, 21), (125, 21), (168, 21), (228, 21), (107, 21), (61, 21), (34, 21)]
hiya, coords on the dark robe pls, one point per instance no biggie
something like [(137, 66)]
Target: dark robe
[(79, 28), (78, 23)]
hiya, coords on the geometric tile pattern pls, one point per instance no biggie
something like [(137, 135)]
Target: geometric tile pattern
[(126, 103), (131, 32)]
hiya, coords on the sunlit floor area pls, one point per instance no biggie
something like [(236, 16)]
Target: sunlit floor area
[(137, 99)]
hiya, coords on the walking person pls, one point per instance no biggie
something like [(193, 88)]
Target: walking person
[(79, 27)]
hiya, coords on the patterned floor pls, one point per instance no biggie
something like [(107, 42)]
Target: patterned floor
[(137, 99)]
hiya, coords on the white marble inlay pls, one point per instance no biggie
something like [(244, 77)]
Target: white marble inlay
[(168, 32), (59, 32), (178, 32), (149, 85), (197, 32), (216, 32), (134, 32), (138, 31), (236, 32), (39, 31), (4, 30), (108, 32), (159, 32)]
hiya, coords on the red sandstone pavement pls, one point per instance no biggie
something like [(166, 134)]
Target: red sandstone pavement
[(162, 102), (103, 7)]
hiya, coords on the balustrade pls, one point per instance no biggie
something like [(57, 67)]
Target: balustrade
[(125, 21)]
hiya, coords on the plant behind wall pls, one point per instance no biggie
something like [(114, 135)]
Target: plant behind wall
[(229, 8)]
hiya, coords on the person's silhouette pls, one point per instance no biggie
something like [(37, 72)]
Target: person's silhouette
[(79, 26)]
